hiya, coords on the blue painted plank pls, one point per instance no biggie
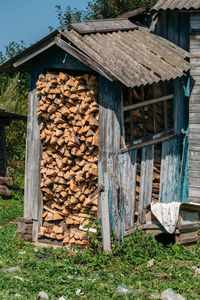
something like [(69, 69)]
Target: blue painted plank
[(56, 58), (147, 162), (127, 167), (170, 167)]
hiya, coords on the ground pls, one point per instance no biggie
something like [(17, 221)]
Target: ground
[(98, 276)]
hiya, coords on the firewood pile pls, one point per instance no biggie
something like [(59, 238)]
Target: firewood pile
[(69, 115)]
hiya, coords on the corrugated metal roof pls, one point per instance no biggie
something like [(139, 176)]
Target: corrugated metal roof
[(135, 57), (177, 4)]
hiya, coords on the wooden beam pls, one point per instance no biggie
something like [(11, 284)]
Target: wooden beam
[(157, 138), (42, 48), (148, 102)]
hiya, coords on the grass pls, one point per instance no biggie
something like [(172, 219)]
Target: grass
[(61, 271), (11, 209)]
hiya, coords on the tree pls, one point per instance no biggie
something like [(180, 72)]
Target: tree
[(14, 98), (104, 9), (98, 9)]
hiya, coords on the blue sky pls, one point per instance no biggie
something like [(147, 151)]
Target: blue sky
[(28, 20)]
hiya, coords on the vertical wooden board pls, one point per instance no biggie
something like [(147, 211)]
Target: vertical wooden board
[(184, 176), (195, 21), (170, 167), (105, 215), (194, 166), (109, 142), (127, 162), (173, 27), (161, 24), (146, 177), (184, 30), (179, 99), (32, 195)]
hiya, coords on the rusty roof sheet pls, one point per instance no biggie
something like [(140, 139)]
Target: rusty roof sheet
[(135, 57), (177, 4)]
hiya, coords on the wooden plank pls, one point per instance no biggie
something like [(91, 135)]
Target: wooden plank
[(194, 174), (145, 103), (184, 30), (195, 155), (184, 173), (43, 47), (195, 21), (173, 27), (105, 216), (178, 105), (127, 164), (159, 137), (193, 165), (194, 199), (194, 118), (106, 25), (195, 182), (170, 166), (32, 194), (109, 143), (146, 179)]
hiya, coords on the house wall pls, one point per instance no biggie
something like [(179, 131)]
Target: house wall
[(194, 162), (175, 27)]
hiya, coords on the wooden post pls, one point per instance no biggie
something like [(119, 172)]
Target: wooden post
[(105, 217), (32, 195)]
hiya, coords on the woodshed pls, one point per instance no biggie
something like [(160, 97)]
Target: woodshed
[(105, 129)]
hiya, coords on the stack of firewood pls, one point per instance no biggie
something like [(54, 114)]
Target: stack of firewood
[(69, 115)]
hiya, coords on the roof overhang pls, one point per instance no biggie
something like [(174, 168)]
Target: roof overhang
[(134, 57), (178, 5)]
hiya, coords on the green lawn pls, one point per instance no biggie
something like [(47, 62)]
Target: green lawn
[(62, 272)]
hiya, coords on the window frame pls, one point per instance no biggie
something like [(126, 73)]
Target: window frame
[(146, 140)]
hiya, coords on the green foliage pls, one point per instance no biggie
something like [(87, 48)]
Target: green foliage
[(68, 16), (102, 9), (13, 92), (11, 209), (98, 9), (12, 49), (14, 98)]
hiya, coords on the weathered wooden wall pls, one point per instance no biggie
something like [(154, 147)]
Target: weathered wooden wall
[(175, 26), (194, 161)]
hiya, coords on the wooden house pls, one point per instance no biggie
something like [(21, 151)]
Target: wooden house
[(179, 22), (5, 181), (134, 83)]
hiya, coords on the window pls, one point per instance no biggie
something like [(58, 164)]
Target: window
[(147, 114)]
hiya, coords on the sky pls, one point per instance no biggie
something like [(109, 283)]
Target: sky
[(28, 20)]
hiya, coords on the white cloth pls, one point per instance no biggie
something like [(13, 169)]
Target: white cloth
[(167, 214)]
